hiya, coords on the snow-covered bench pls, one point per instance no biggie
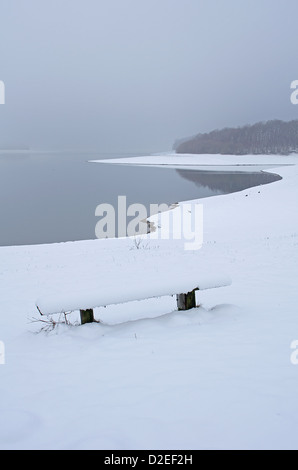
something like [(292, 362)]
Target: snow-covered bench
[(148, 285)]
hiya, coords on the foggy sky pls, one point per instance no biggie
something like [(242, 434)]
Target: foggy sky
[(134, 75)]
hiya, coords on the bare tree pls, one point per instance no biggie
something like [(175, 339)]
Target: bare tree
[(271, 137)]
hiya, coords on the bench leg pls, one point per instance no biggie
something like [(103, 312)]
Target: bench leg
[(87, 316), (186, 301)]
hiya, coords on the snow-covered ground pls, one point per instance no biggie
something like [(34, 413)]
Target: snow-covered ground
[(149, 377)]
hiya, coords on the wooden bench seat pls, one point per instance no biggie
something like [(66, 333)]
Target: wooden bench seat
[(85, 299)]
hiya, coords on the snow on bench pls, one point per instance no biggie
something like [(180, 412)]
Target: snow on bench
[(139, 287)]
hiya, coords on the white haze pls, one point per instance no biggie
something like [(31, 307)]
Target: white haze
[(116, 76)]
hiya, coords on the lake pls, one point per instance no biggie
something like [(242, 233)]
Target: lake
[(51, 197)]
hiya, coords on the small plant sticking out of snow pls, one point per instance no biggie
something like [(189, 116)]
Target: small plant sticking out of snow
[(49, 324), (138, 244)]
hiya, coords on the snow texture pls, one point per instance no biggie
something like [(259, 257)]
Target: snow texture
[(149, 377)]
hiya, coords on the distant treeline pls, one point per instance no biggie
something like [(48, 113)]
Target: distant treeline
[(271, 137)]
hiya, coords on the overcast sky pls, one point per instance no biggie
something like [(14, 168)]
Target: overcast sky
[(134, 75)]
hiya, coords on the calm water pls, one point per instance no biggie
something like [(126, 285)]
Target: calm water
[(47, 198)]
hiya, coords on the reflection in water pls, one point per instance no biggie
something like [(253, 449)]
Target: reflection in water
[(224, 183)]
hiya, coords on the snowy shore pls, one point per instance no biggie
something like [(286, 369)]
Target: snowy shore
[(149, 377)]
